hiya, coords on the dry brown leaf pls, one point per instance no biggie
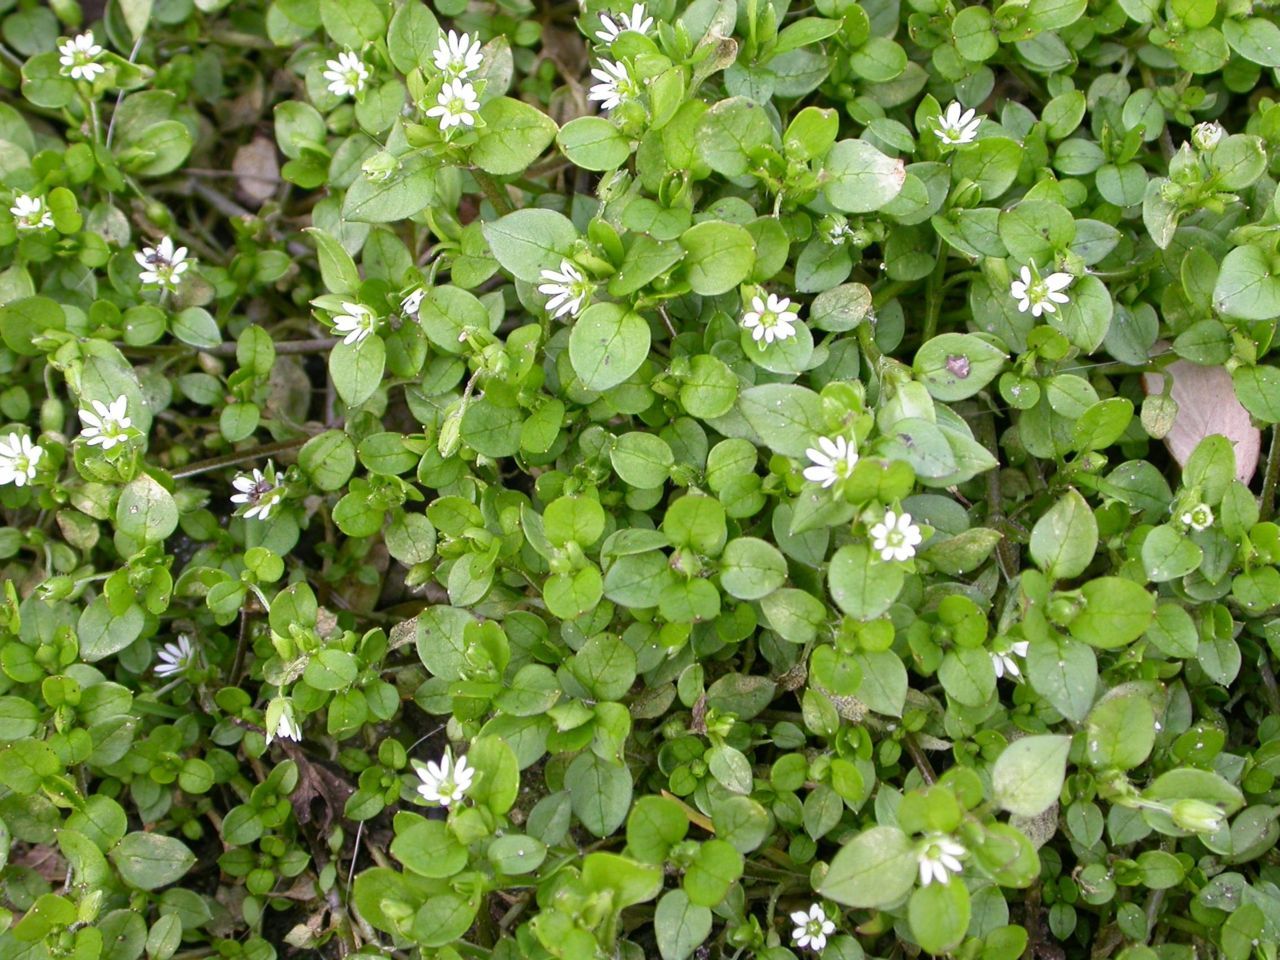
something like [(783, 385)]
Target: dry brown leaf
[(257, 171), (1207, 405)]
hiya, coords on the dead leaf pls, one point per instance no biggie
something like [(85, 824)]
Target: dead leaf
[(1207, 405), (257, 171)]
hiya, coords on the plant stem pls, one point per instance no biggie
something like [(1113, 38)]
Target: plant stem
[(919, 759), (867, 340), (933, 293), (493, 191), (240, 456), (1267, 502)]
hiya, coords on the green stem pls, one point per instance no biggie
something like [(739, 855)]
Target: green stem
[(867, 340), (493, 191), (1267, 502), (933, 292), (240, 456)]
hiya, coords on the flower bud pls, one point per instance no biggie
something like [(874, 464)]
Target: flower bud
[(380, 167), (1197, 816), (1206, 135)]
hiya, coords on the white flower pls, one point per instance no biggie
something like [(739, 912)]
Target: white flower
[(162, 265), (837, 232), (30, 213), (833, 460), (346, 75), (79, 58), (446, 781), (957, 126), (18, 459), (568, 289), (410, 304), (261, 491), (285, 723), (615, 84), (771, 319), (1040, 295), (456, 105), (812, 928), (457, 56), (105, 426), (1206, 135), (357, 322), (938, 856), (175, 657), (1004, 661), (1199, 517), (636, 21), (896, 537)]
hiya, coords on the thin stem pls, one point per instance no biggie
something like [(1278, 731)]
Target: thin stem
[(493, 191), (933, 293), (240, 456), (867, 339), (919, 759), (1267, 502)]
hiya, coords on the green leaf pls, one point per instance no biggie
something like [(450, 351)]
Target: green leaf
[(412, 36), (863, 585), (593, 143), (528, 241), (858, 178), (352, 22), (1065, 673), (751, 569), (513, 136), (600, 791), (149, 861), (642, 459), (146, 511), (607, 345), (337, 269), (874, 870), (1116, 612), (1064, 539), (497, 774), (955, 366), (719, 256), (680, 925), (1121, 732), (1028, 774), (400, 196), (1247, 287), (357, 368), (939, 915), (786, 416)]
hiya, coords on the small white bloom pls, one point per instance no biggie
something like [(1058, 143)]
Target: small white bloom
[(1040, 295), (636, 20), (1199, 517), (78, 58), (833, 460), (410, 304), (568, 289), (770, 320), (1004, 661), (30, 213), (457, 56), (18, 459), (286, 724), (615, 84), (347, 75), (456, 105), (939, 856), (1206, 135), (260, 490), (896, 537), (812, 928), (357, 322), (444, 782), (106, 425), (958, 126), (162, 265), (175, 657), (837, 232)]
